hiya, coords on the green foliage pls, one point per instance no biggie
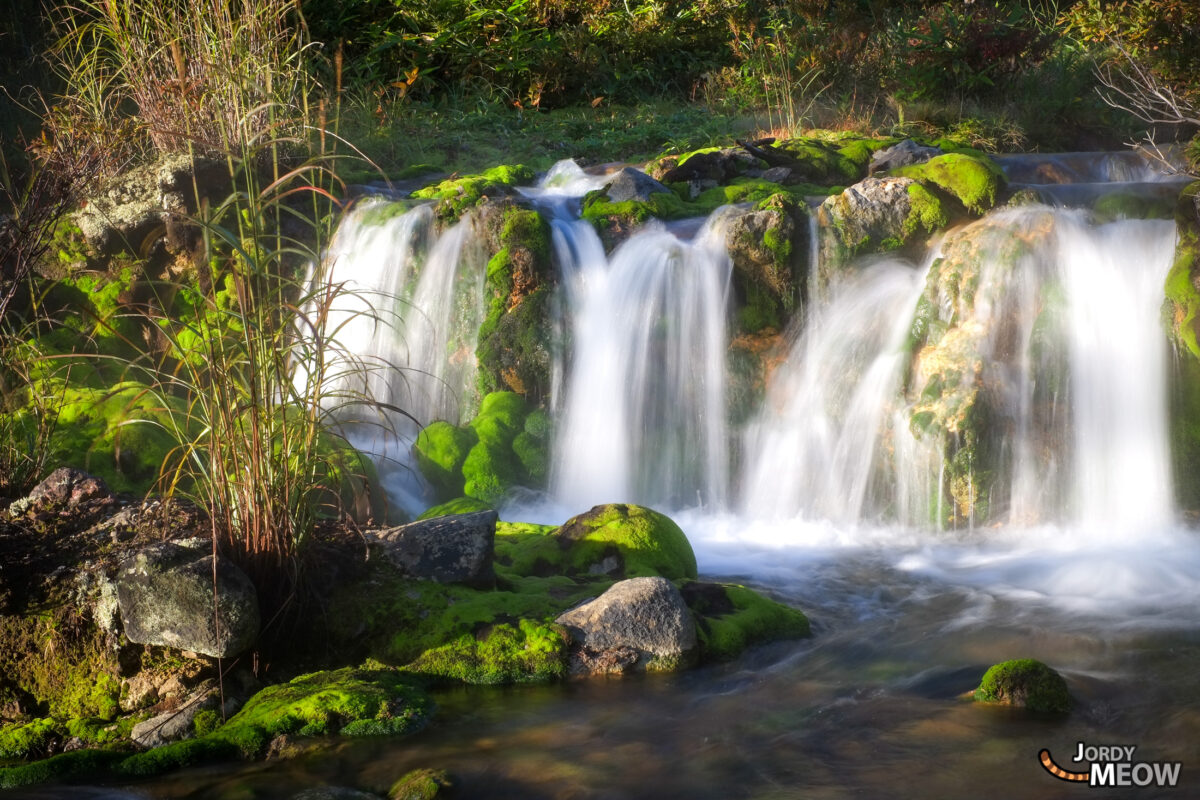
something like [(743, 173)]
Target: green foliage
[(1027, 683), (458, 195), (27, 740)]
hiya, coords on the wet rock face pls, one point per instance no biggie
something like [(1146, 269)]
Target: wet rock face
[(633, 184), (165, 594), (640, 623), (452, 549)]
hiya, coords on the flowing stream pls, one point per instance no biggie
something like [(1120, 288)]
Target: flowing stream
[(836, 505)]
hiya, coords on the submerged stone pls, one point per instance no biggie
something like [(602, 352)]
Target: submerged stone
[(645, 617), (167, 594), (1025, 683)]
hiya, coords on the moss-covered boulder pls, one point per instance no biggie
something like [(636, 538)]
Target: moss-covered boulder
[(767, 246), (516, 338), (974, 181), (878, 215), (441, 449), (420, 784), (459, 505), (454, 196), (1025, 683)]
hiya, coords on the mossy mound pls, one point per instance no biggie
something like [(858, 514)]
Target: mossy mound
[(420, 784), (1025, 683), (731, 618), (523, 652), (505, 445), (614, 541), (458, 195), (459, 505), (349, 702), (975, 181)]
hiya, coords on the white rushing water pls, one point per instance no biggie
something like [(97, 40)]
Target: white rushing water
[(405, 318)]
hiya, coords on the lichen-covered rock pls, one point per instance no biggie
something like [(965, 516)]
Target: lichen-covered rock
[(1025, 683), (645, 615), (66, 491), (765, 246), (166, 594), (875, 215), (447, 549)]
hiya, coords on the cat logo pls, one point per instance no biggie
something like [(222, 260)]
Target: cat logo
[(1113, 765)]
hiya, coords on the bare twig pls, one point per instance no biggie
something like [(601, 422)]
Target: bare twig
[(1133, 88)]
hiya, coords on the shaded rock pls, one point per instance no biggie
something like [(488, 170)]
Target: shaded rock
[(717, 166), (1025, 683), (633, 184), (777, 174), (763, 245), (645, 615), (902, 155), (66, 491), (170, 726), (165, 593), (451, 549)]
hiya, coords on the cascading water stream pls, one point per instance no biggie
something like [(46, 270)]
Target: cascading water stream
[(643, 411), (405, 322)]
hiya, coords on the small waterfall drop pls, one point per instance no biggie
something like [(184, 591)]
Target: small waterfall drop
[(643, 406), (406, 322)]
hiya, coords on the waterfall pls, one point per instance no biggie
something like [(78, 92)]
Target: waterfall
[(643, 408), (405, 322)]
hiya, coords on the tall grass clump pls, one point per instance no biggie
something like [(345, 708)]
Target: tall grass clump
[(238, 355)]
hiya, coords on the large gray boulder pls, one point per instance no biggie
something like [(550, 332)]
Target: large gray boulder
[(457, 548), (903, 154), (166, 596), (640, 623)]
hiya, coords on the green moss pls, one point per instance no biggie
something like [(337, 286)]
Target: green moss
[(206, 721), (459, 505), (1181, 289), (1129, 205), (28, 740), (61, 768), (177, 755), (1026, 683), (420, 784), (760, 309), (490, 471), (528, 652), (379, 213), (740, 619), (926, 215), (974, 180), (642, 541), (441, 450), (823, 163), (533, 453), (455, 196), (331, 702)]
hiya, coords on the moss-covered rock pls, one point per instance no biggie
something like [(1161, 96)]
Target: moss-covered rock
[(625, 541), (441, 450), (420, 784), (1025, 683), (455, 196), (515, 339), (28, 740), (975, 181), (459, 505), (1183, 280), (527, 651), (766, 247), (731, 618)]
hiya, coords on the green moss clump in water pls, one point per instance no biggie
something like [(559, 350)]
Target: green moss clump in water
[(441, 450), (732, 618), (1026, 683), (420, 784), (177, 755), (1128, 205), (974, 181), (338, 701), (527, 652), (458, 195), (459, 505)]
